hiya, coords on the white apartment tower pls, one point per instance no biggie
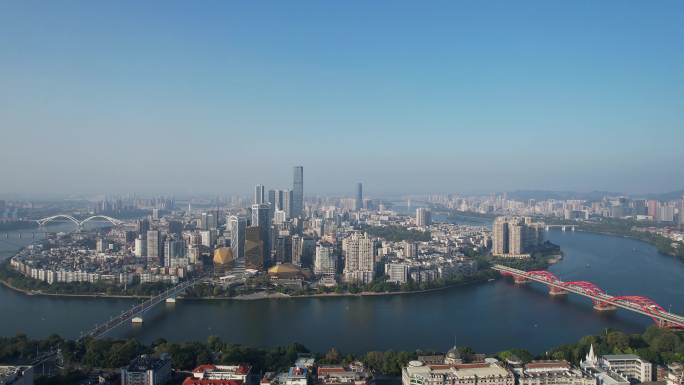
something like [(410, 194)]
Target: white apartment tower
[(359, 261)]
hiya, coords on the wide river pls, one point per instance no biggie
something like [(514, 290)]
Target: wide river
[(488, 317)]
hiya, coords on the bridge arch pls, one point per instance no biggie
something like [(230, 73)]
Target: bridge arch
[(546, 275), (111, 220), (44, 221), (78, 223)]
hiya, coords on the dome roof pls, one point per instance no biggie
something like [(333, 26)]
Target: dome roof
[(284, 268), (453, 353), (223, 256)]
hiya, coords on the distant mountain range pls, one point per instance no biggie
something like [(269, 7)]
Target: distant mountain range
[(591, 195)]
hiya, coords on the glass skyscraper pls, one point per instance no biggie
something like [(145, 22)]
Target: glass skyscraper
[(298, 191)]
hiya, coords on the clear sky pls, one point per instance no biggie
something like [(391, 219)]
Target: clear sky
[(419, 96)]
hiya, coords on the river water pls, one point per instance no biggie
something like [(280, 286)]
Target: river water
[(488, 317)]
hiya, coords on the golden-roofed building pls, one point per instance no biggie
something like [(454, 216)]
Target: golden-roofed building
[(223, 258), (286, 271)]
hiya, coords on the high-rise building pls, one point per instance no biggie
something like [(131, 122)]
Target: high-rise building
[(359, 262), (262, 219), (237, 226), (410, 249), (208, 221), (254, 248), (259, 194), (665, 213), (272, 198), (297, 250), (681, 212), (298, 191), (287, 203), (140, 247), (143, 225), (208, 238), (325, 262), (652, 208), (154, 244), (500, 236), (283, 248), (173, 248), (100, 245), (359, 196), (515, 236), (423, 217), (278, 196), (279, 217)]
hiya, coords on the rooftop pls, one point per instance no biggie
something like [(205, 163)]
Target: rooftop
[(146, 362), (621, 357)]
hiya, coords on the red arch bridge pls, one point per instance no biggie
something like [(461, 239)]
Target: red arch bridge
[(602, 301)]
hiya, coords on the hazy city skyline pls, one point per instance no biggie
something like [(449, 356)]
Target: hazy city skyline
[(102, 98)]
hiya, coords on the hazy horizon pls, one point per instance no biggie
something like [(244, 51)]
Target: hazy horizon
[(215, 97)]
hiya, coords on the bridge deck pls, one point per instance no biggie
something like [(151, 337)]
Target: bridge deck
[(671, 318), (126, 316)]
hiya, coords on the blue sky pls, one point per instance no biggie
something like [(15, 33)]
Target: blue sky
[(440, 96)]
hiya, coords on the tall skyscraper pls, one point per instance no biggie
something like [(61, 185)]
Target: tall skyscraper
[(259, 197), (275, 199), (500, 236), (359, 261), (652, 207), (261, 218), (681, 213), (325, 262), (278, 196), (298, 191), (140, 247), (154, 244), (254, 248), (423, 217), (297, 250), (271, 199), (359, 196), (287, 203), (237, 226)]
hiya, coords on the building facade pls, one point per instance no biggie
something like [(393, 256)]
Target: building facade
[(359, 260), (298, 191)]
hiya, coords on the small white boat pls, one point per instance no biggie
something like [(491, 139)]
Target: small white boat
[(170, 300), (137, 320)]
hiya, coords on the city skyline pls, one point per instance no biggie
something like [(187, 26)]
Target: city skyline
[(342, 193), (471, 98)]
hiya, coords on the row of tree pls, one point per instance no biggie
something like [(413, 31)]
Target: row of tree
[(660, 346)]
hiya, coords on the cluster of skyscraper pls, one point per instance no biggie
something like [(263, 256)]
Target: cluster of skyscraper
[(252, 245), (516, 236)]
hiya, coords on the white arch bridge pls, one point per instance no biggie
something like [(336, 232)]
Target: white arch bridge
[(77, 222)]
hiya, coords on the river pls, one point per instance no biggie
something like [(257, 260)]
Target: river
[(488, 317)]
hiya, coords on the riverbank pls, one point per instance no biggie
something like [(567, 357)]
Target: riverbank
[(662, 244), (262, 295), (28, 292), (251, 296)]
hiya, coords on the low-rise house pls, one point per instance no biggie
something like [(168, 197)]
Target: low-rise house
[(486, 373), (553, 373)]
